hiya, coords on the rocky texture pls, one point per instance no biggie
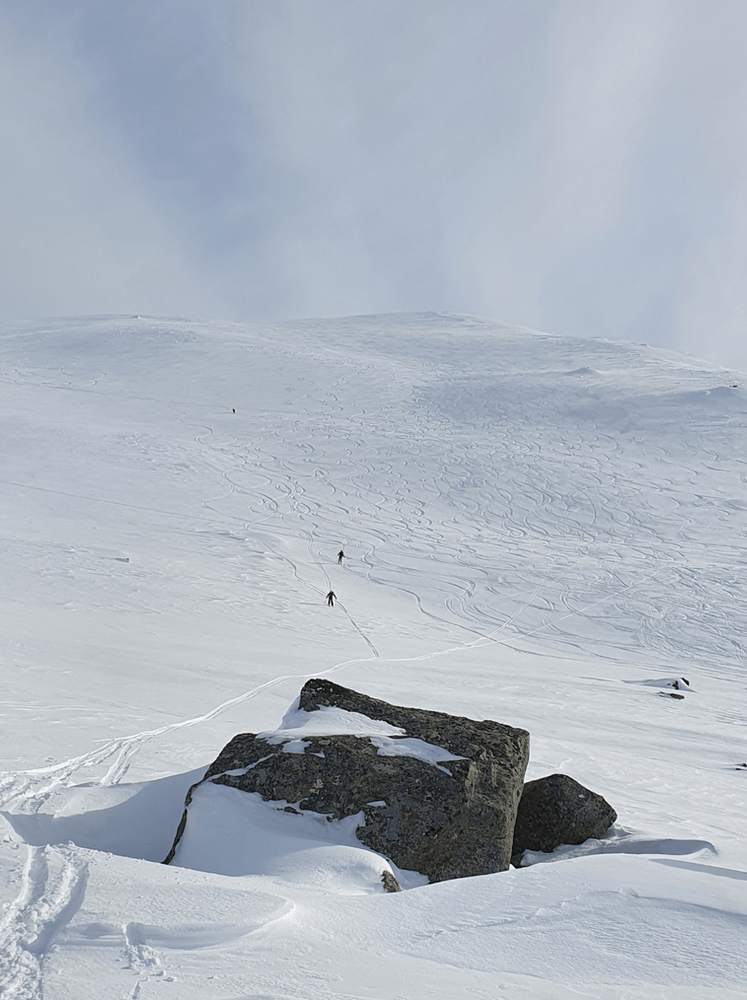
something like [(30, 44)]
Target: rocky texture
[(390, 883), (448, 819), (557, 810)]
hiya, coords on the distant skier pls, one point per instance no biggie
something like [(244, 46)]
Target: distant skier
[(331, 598), (340, 557)]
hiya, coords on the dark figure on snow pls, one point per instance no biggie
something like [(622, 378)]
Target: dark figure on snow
[(340, 557), (331, 598)]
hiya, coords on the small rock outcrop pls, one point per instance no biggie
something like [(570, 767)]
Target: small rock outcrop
[(557, 810), (439, 795), (390, 883)]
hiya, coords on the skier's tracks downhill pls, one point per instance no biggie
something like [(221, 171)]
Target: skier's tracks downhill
[(22, 789), (340, 604), (53, 886), (23, 795)]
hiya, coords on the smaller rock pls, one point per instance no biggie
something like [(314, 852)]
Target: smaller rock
[(390, 882), (557, 810)]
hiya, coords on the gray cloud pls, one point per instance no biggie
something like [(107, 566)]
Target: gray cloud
[(80, 233), (565, 164)]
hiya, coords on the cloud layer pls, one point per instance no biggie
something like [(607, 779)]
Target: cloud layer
[(570, 165)]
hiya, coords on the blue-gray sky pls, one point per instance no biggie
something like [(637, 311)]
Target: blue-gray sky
[(577, 166)]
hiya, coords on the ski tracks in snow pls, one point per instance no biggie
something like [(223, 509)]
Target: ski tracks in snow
[(378, 501), (53, 885), (141, 958), (20, 792)]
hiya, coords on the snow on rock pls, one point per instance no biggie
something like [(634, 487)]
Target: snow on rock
[(443, 822), (419, 749), (328, 720), (234, 833)]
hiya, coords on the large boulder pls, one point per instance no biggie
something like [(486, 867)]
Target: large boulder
[(437, 793), (557, 810)]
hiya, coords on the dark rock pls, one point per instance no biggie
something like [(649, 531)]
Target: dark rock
[(449, 819), (557, 810), (390, 882)]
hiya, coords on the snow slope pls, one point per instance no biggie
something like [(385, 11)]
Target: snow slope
[(547, 532)]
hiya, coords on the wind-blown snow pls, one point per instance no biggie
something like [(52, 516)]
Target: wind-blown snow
[(328, 720), (547, 532), (410, 747)]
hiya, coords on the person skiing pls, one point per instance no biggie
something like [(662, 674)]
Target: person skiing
[(331, 598), (340, 557)]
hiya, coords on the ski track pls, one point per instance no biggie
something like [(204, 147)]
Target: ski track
[(497, 541), (19, 793), (486, 491), (53, 886), (141, 958)]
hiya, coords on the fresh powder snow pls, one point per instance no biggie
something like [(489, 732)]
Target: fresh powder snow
[(547, 532)]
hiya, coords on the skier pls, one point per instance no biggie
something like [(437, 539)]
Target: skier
[(340, 557), (331, 598)]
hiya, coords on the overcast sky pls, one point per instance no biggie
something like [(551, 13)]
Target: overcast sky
[(576, 166)]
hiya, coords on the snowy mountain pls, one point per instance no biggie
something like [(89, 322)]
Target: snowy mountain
[(546, 532)]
